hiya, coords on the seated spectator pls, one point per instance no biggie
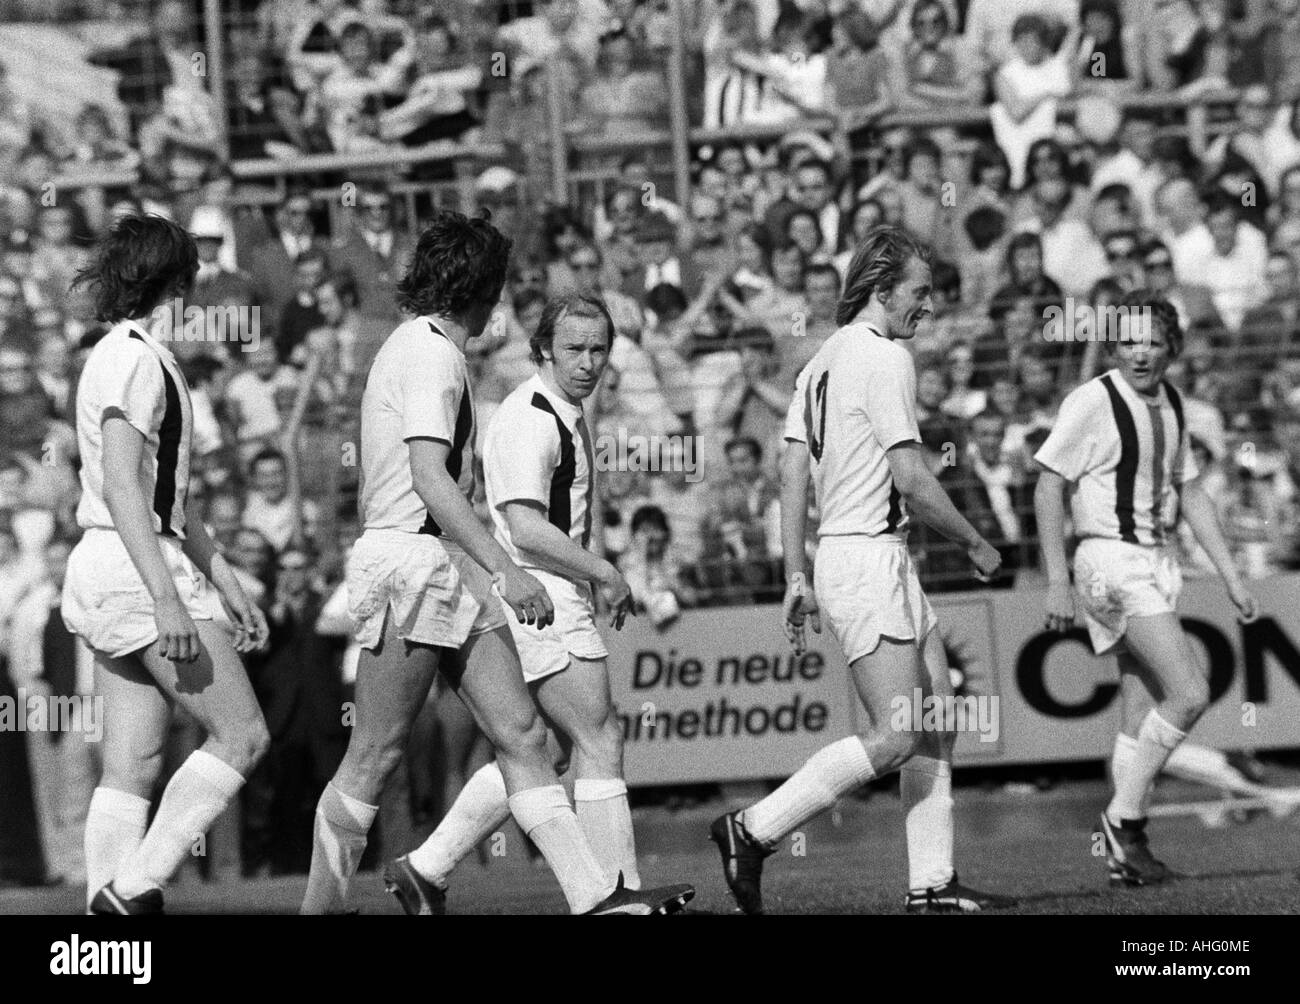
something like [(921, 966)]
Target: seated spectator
[(301, 314), (794, 75), (777, 307), (1028, 279), (250, 401), (95, 141), (271, 508), (620, 99), (859, 73), (351, 99), (933, 65), (1110, 55), (743, 506), (1028, 86), (731, 92), (655, 571), (995, 489), (438, 88), (964, 400), (753, 403), (216, 281)]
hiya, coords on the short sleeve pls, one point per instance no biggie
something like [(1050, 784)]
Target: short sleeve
[(1070, 447), (521, 454), (430, 389), (796, 428), (888, 397), (128, 380)]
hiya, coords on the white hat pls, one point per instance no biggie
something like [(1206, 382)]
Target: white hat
[(496, 179), (208, 221)]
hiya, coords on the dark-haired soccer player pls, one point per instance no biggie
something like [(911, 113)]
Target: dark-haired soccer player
[(1121, 446), (540, 473), (852, 426), (421, 581), (135, 583)]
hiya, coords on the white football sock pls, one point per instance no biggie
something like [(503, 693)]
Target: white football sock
[(1121, 759), (115, 825), (927, 801), (196, 795), (1209, 766), (832, 771), (548, 819), (479, 810), (1155, 740), (339, 840), (601, 805)]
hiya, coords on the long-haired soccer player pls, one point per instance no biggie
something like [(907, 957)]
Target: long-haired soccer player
[(1121, 447), (852, 427), (540, 472), (135, 584), (422, 577)]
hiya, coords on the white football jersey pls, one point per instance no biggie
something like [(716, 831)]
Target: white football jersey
[(852, 402), (418, 388), (131, 374), (1124, 456), (538, 448)]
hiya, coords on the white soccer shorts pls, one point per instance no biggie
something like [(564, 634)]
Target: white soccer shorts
[(107, 603), (868, 589), (436, 593), (573, 633), (1115, 580)]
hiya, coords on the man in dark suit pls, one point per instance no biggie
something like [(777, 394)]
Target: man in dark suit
[(272, 262), (374, 253), (300, 689)]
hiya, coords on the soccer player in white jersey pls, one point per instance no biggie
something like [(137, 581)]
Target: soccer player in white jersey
[(852, 426), (424, 579), (540, 474), (1120, 448), (136, 582)]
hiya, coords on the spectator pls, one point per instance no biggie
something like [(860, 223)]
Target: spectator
[(654, 570), (744, 505), (271, 508), (859, 86), (350, 101), (438, 89), (271, 262), (621, 100), (934, 70), (373, 254), (1028, 86), (250, 401)]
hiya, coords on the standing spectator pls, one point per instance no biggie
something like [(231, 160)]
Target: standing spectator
[(620, 99), (374, 253), (271, 262), (1028, 86), (934, 70)]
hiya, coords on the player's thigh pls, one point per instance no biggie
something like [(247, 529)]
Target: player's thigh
[(1159, 643), (393, 682), (577, 700), (491, 683), (895, 668), (136, 716), (214, 688), (938, 673)]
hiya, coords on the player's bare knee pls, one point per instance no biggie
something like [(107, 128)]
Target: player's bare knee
[(242, 744), (522, 737), (1191, 698), (891, 748), (134, 774)]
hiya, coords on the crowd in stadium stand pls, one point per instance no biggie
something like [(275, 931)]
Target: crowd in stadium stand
[(1058, 183)]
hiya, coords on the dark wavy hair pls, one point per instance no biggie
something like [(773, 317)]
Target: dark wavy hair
[(137, 265), (557, 309), (877, 266), (459, 263), (1163, 316)]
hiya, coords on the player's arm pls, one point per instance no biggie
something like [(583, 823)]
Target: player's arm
[(178, 638), (531, 531), (1049, 510), (799, 601), (926, 498), (251, 631), (452, 511), (1198, 510)]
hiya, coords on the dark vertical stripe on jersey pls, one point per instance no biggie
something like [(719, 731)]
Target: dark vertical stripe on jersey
[(559, 510), (460, 437), (895, 508), (1176, 402), (1157, 416), (1126, 469), (585, 435), (169, 449)]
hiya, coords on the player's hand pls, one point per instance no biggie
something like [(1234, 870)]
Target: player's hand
[(526, 596), (251, 631), (1060, 607), (617, 597), (1245, 601), (178, 638), (800, 603), (984, 556)]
